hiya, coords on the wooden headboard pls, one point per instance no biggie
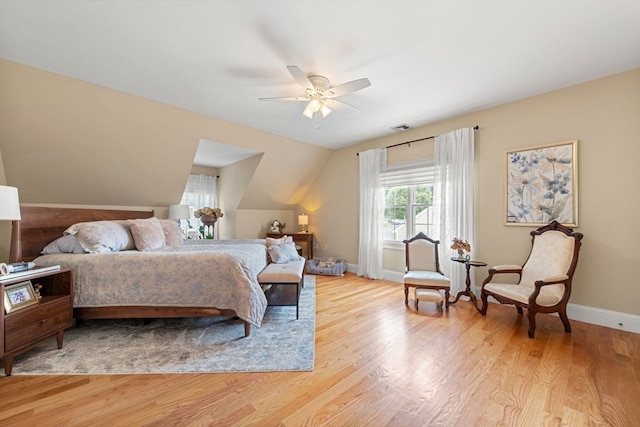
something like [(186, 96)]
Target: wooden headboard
[(40, 226)]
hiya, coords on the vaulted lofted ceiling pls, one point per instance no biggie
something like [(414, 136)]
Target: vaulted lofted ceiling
[(426, 60), (64, 141)]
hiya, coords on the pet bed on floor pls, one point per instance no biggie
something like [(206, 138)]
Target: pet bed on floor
[(328, 267)]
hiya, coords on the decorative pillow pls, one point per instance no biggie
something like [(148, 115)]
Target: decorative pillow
[(172, 233), (283, 253), (147, 234), (284, 239), (64, 245), (101, 236)]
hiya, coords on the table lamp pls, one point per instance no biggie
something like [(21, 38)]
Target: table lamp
[(303, 221), (179, 212), (9, 203)]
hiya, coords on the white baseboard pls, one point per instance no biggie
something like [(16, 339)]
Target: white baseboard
[(601, 317), (581, 313), (393, 276)]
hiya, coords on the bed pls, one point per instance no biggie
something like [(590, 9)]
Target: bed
[(214, 278)]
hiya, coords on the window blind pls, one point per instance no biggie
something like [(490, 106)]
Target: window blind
[(409, 173)]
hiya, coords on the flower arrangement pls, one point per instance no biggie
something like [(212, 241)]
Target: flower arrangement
[(208, 211), (461, 246)]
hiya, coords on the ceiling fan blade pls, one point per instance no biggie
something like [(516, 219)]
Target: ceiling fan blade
[(300, 77), (286, 98), (348, 87), (334, 104)]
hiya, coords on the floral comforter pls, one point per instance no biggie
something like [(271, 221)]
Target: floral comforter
[(220, 274)]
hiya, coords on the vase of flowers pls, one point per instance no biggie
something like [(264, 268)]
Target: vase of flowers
[(460, 246), (208, 219), (208, 216)]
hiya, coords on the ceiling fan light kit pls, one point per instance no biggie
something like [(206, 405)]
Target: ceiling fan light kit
[(319, 94)]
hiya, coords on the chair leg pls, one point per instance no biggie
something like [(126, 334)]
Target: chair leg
[(417, 301), (484, 298), (446, 299), (406, 295), (565, 321), (532, 321), (519, 309)]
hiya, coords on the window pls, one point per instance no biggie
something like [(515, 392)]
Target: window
[(409, 201), (200, 191)]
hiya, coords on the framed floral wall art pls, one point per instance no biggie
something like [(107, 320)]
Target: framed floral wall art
[(541, 184)]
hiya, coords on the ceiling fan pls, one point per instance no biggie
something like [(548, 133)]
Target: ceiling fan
[(319, 94)]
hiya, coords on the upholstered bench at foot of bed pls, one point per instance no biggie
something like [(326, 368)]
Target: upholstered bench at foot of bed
[(274, 277)]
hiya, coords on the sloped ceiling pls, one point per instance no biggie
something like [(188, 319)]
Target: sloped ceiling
[(64, 141), (427, 60), (123, 92)]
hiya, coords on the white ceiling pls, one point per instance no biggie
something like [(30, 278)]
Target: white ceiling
[(426, 60)]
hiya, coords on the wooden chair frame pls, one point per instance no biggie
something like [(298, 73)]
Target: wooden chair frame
[(532, 307), (436, 243)]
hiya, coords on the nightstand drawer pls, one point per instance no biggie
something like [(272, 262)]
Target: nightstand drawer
[(37, 322)]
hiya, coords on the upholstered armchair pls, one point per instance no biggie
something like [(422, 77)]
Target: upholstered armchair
[(422, 271), (544, 284)]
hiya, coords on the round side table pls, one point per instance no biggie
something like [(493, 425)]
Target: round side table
[(468, 264)]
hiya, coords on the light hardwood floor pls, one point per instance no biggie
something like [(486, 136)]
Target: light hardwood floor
[(378, 363)]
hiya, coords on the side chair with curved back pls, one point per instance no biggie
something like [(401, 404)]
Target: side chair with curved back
[(544, 284), (422, 271)]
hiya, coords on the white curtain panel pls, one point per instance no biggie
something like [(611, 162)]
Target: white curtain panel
[(454, 199), (201, 191), (372, 165)]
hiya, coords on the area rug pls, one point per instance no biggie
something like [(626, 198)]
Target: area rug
[(197, 345)]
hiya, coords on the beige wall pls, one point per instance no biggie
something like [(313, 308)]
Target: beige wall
[(603, 115), (63, 141), (234, 181), (255, 222), (67, 142), (5, 226), (70, 142)]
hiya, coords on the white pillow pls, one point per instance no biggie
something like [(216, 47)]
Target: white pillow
[(284, 239), (172, 234), (283, 253), (147, 234), (101, 236), (64, 245)]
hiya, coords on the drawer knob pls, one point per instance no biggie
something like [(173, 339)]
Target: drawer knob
[(43, 321)]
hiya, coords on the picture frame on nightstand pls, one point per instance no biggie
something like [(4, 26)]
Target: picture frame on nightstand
[(19, 296)]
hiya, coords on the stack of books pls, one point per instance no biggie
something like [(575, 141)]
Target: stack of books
[(28, 273)]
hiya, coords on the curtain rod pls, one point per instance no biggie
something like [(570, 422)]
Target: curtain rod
[(415, 140)]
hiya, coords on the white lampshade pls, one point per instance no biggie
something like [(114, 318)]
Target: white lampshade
[(325, 110), (308, 113), (179, 212), (315, 104), (9, 203), (303, 221)]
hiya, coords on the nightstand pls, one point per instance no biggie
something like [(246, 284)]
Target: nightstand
[(25, 328)]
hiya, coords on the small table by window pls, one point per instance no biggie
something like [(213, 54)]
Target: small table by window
[(468, 264)]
